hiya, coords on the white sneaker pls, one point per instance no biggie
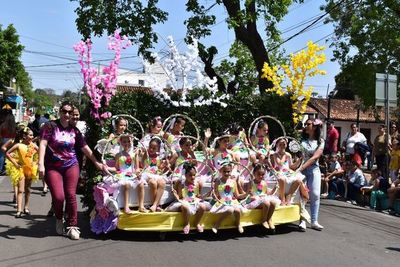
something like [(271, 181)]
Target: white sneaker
[(303, 225), (60, 227), (73, 232), (316, 226)]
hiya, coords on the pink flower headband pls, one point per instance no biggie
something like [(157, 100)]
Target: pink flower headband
[(317, 122)]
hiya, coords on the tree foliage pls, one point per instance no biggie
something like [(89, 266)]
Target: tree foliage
[(10, 63), (136, 21), (135, 18), (367, 41), (44, 100)]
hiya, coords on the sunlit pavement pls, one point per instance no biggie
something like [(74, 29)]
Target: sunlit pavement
[(353, 236)]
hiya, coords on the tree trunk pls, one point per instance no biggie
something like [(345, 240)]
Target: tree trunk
[(250, 37)]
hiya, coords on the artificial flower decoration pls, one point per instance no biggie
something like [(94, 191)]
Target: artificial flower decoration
[(259, 188), (303, 65), (101, 87), (178, 67), (294, 146), (128, 161), (227, 189), (190, 188)]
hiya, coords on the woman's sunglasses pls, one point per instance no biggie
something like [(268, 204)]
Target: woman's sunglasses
[(70, 112)]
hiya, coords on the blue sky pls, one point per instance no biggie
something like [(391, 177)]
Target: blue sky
[(48, 26)]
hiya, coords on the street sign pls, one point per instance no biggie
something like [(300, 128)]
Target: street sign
[(380, 97)]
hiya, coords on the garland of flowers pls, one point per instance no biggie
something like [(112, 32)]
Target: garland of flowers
[(303, 64), (184, 74), (101, 87)]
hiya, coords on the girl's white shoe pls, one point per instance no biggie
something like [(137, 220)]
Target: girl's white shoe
[(302, 225)]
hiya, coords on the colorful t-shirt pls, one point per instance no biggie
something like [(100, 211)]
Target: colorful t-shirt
[(60, 151)]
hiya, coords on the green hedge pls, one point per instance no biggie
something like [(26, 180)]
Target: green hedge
[(144, 106)]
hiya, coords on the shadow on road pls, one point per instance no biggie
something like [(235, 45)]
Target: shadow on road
[(39, 226), (223, 235), (393, 249)]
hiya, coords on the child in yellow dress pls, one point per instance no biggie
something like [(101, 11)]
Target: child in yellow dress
[(25, 168)]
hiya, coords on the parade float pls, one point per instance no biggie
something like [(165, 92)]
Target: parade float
[(107, 213)]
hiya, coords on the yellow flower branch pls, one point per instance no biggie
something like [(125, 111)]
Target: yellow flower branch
[(303, 64)]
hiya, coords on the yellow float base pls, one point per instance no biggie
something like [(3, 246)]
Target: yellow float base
[(173, 221)]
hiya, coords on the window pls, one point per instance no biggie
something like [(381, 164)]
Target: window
[(141, 82)]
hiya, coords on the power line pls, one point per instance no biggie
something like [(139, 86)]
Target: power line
[(319, 40), (44, 42), (66, 64), (308, 26)]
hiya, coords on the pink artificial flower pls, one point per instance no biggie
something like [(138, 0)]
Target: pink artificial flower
[(104, 213)]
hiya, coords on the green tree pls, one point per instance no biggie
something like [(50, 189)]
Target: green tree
[(10, 64), (136, 21), (43, 100), (368, 41)]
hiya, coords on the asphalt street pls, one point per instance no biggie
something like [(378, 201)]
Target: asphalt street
[(353, 236)]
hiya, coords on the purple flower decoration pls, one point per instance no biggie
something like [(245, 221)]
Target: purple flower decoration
[(110, 224), (97, 225), (104, 213)]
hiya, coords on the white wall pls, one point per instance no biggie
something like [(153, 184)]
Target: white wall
[(345, 127), (129, 77)]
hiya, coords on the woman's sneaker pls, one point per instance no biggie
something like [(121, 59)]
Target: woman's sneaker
[(73, 232), (60, 227), (316, 226)]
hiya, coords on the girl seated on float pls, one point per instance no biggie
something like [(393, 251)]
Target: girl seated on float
[(189, 199), (283, 164), (154, 128), (239, 144), (226, 196), (185, 153), (119, 127), (174, 131), (262, 197), (260, 140), (220, 154), (125, 169), (154, 166), (110, 146)]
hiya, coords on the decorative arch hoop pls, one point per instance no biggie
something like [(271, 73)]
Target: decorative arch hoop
[(291, 146), (252, 125), (128, 117), (186, 118)]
